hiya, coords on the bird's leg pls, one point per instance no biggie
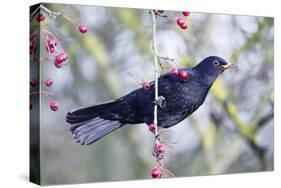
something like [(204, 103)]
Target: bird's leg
[(161, 102)]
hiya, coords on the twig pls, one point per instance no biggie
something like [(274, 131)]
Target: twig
[(155, 121), (159, 151), (52, 14), (265, 119)]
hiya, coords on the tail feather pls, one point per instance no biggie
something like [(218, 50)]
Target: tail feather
[(88, 126), (91, 131), (97, 122)]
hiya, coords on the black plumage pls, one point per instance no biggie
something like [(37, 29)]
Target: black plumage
[(182, 98)]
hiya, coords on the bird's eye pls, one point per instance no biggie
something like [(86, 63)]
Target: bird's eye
[(216, 62)]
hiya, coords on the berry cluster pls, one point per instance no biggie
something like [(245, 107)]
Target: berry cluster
[(54, 50), (182, 74), (48, 83), (180, 21), (158, 153)]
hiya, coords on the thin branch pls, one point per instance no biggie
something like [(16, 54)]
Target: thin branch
[(159, 151), (265, 119), (155, 121)]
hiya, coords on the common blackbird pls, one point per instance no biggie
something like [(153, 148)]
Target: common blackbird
[(179, 99)]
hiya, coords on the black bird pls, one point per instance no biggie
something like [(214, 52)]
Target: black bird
[(181, 98)]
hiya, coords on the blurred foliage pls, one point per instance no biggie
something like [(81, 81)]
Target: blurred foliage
[(232, 132)]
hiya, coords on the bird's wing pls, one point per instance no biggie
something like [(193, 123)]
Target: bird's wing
[(182, 98)]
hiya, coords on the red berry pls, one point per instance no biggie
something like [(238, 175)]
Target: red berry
[(64, 56), (33, 82), (175, 71), (48, 82), (183, 75), (152, 127), (185, 13), (82, 28), (145, 85), (156, 173), (50, 49), (32, 45), (60, 59), (180, 21), (54, 105), (52, 43), (40, 17), (58, 65), (32, 42), (183, 26), (159, 148)]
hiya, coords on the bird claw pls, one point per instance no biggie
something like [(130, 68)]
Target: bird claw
[(161, 102)]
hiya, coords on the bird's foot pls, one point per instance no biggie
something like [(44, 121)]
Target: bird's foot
[(161, 102)]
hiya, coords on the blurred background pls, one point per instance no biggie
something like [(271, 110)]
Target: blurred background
[(232, 132)]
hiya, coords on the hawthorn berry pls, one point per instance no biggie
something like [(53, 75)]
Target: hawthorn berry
[(54, 105), (64, 56), (32, 45), (51, 43), (152, 127), (58, 65), (82, 28), (175, 71), (185, 13), (49, 82), (183, 26), (33, 82), (183, 75), (40, 17), (159, 149), (146, 85), (60, 59), (156, 173), (180, 21)]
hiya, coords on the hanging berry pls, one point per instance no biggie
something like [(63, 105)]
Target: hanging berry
[(146, 85), (40, 17), (54, 105), (159, 149), (60, 59), (48, 82), (156, 173), (175, 71), (152, 127), (185, 13), (82, 28), (33, 83), (184, 75)]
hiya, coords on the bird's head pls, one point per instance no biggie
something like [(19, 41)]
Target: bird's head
[(213, 66)]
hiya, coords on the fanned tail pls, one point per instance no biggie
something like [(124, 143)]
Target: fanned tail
[(89, 125)]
